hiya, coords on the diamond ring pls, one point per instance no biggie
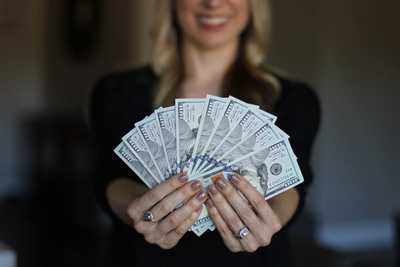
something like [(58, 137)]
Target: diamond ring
[(148, 216), (243, 232)]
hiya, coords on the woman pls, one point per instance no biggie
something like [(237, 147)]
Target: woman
[(201, 47)]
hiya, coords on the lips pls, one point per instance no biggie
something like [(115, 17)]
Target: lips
[(212, 21)]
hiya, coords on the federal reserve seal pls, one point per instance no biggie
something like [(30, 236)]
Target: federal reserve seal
[(276, 169)]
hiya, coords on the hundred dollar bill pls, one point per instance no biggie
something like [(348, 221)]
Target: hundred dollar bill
[(271, 171), (167, 123), (233, 112), (262, 137), (151, 135), (188, 113), (136, 144), (212, 112), (267, 116), (135, 164), (247, 126)]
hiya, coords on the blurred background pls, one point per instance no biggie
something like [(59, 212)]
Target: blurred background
[(52, 52)]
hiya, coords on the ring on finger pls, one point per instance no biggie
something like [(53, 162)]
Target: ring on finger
[(243, 232), (148, 216)]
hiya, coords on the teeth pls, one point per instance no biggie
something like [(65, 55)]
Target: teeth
[(213, 21)]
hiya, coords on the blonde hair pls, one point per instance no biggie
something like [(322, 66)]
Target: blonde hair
[(165, 59)]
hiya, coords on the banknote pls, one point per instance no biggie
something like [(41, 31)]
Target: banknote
[(151, 134), (135, 164), (188, 114), (247, 126), (234, 111), (167, 123), (135, 143), (212, 112), (262, 137), (271, 171)]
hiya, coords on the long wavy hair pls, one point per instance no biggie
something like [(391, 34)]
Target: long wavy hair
[(245, 79)]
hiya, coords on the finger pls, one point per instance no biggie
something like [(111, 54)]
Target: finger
[(176, 218), (228, 237), (257, 200), (242, 208), (232, 219), (173, 237), (170, 202), (154, 195)]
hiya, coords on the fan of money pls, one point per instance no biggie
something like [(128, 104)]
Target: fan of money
[(210, 136)]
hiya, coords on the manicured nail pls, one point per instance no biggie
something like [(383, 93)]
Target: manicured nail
[(212, 190), (209, 203), (196, 185), (183, 177), (234, 178), (221, 183), (201, 196)]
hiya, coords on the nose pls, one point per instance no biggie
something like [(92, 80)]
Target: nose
[(213, 3)]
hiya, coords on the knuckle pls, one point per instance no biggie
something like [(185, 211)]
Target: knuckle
[(193, 205), (224, 232), (167, 244), (181, 231), (150, 239), (265, 240), (235, 222), (252, 248), (234, 249), (246, 212), (139, 227), (277, 226), (164, 208), (132, 210), (259, 203), (173, 220), (154, 194), (230, 192)]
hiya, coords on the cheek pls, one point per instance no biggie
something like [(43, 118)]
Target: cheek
[(184, 12), (243, 8)]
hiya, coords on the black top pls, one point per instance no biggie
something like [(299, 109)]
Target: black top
[(121, 99)]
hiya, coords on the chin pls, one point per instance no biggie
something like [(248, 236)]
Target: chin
[(213, 42)]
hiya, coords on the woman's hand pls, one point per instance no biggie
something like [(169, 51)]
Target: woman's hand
[(231, 212), (169, 223)]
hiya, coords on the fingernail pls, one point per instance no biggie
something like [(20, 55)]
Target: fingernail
[(234, 178), (196, 185), (209, 203), (221, 183), (183, 177), (212, 190), (201, 196)]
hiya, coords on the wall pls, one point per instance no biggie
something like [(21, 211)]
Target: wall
[(21, 82), (348, 50), (38, 75)]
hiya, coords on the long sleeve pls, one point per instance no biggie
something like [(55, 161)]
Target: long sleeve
[(299, 112), (118, 101)]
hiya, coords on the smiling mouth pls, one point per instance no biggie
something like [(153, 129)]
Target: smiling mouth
[(213, 21)]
